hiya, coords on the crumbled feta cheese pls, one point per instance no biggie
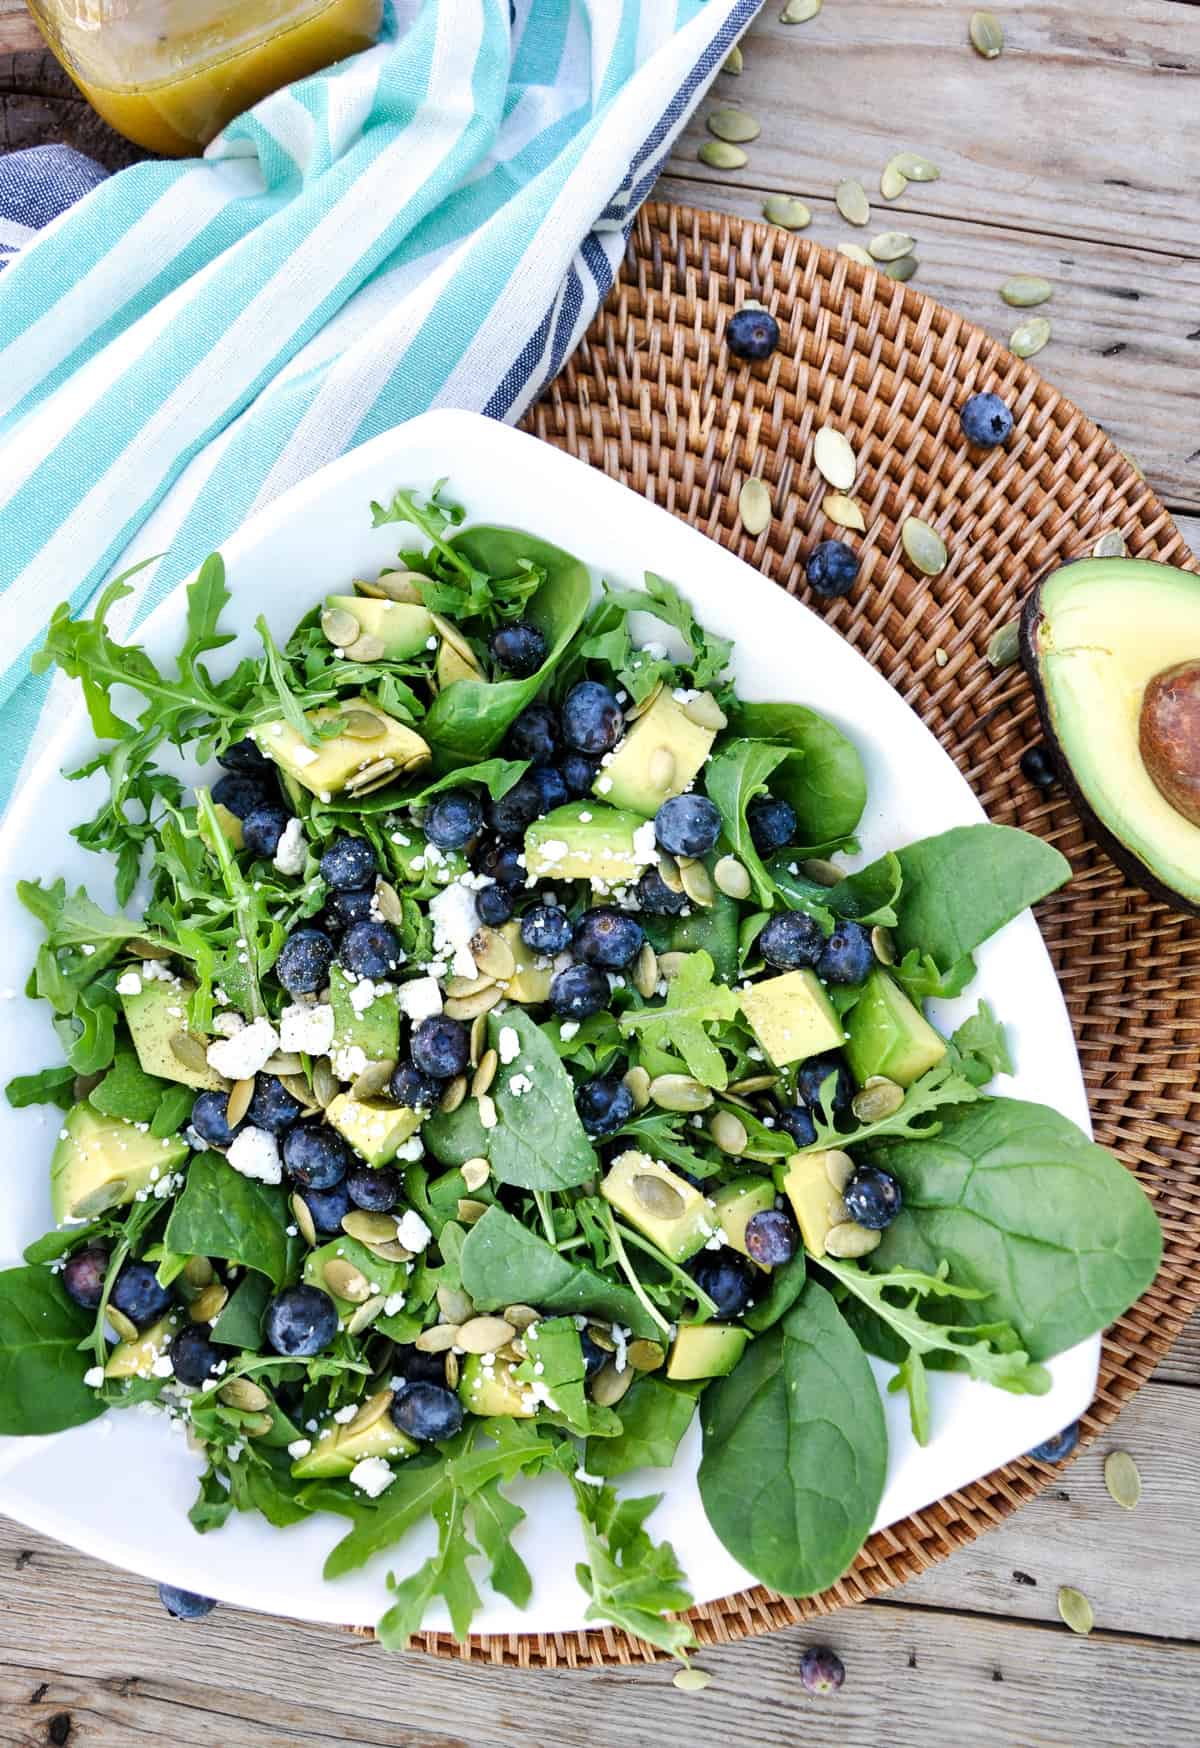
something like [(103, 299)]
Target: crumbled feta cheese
[(154, 971), (555, 850), (299, 1447), (655, 650), (345, 1415), (411, 1231), (227, 1024), (349, 1061), (645, 847), (291, 852), (371, 1476), (362, 994), (239, 1057), (519, 1085), (129, 983), (602, 785), (410, 1150), (304, 756), (307, 1027), (509, 1044), (568, 1030), (393, 1303), (94, 1377), (196, 1142), (87, 948), (162, 1367), (420, 999), (455, 919), (255, 1153)]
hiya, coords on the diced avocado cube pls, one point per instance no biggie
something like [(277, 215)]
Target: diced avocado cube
[(815, 1197), (640, 781), (157, 1013), (418, 864), (339, 1448), (664, 1207), (453, 665), (705, 1350), (230, 824), (534, 973), (326, 768), (134, 1359), (103, 1162), (792, 1017), (493, 1390), (887, 1034), (373, 1028), (402, 627), (737, 1203), (374, 1130), (584, 840)]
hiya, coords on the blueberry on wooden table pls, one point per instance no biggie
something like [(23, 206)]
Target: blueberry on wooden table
[(771, 1237), (241, 793), (454, 819), (370, 949), (657, 898), (184, 1605), (412, 1087), (348, 862), (603, 1104), (592, 720), (315, 1155), (534, 735), (83, 1276), (831, 569), (986, 421), (427, 1412), (194, 1358), (520, 648), (772, 823), (263, 828), (1058, 1448), (375, 1189), (847, 956), (272, 1107), (607, 937), (687, 825), (872, 1197), (579, 991), (546, 928), (796, 1121), (752, 334), (300, 1322), (304, 960), (495, 905), (138, 1295), (791, 941), (821, 1670), (327, 1207), (727, 1278), (441, 1047), (579, 772)]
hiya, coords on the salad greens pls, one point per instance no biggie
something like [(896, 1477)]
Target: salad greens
[(467, 1099)]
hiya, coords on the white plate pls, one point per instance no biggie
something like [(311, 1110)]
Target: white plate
[(120, 1487)]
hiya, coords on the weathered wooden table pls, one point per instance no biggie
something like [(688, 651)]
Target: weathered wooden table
[(1073, 156)]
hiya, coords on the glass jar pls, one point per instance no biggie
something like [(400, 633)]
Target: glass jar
[(169, 74)]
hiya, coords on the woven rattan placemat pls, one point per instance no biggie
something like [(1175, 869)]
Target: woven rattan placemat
[(654, 399)]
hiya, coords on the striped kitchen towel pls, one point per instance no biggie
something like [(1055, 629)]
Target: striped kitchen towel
[(430, 223)]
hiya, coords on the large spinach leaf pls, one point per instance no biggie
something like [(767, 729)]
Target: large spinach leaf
[(41, 1368), (1058, 1236), (503, 1263), (654, 1417), (221, 1213), (869, 896), (795, 1450), (538, 1142), (823, 780)]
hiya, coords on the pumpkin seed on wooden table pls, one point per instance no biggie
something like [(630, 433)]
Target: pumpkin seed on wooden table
[(754, 506), (850, 198), (987, 35), (845, 513), (733, 125), (1122, 1479), (799, 11), (835, 460), (903, 269), (1029, 337), (1024, 290), (913, 167), (892, 181), (1075, 1610), (787, 212), (722, 155), (855, 252), (891, 245), (924, 546), (733, 62), (691, 1680)]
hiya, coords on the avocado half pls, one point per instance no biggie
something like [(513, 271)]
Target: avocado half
[(1094, 635)]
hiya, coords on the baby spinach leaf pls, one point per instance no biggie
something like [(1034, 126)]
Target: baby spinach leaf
[(784, 1286), (869, 897), (50, 1086), (240, 1323), (694, 1003), (172, 1111), (795, 1450), (41, 1368), (981, 1043), (496, 775), (501, 1257), (127, 1090), (538, 1142), (1058, 1236), (221, 1213), (654, 1417), (631, 1580), (556, 1361), (733, 777), (824, 780)]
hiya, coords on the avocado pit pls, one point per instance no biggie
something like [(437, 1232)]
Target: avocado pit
[(1169, 736)]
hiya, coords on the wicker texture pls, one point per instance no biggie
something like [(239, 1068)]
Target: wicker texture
[(654, 399)]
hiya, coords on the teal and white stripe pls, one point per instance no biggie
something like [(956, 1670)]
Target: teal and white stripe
[(431, 223)]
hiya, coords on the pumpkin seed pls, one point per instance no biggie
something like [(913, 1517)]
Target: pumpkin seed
[(668, 869), (879, 1098), (799, 11), (390, 1251), (902, 270), (787, 212), (127, 1330), (372, 1410), (602, 1336), (387, 900), (373, 1080), (1123, 1480), (891, 245), (658, 1198), (482, 1079), (855, 252), (754, 506), (892, 181), (1025, 290), (849, 1240), (721, 155), (401, 585), (245, 1394), (705, 712), (283, 1062), (188, 1049), (484, 1334), (633, 711), (239, 1101), (479, 1032), (1136, 466), (645, 971), (487, 1110), (987, 35), (475, 1172), (366, 1313), (696, 882), (728, 123), (609, 1385), (302, 1215), (99, 1201), (638, 1082), (325, 1086), (732, 878), (753, 1083), (141, 948), (851, 200), (882, 945), (366, 648), (469, 1211), (340, 627), (834, 458), (733, 62), (369, 1228), (458, 988), (455, 1305), (1110, 545), (914, 167), (207, 1306), (1029, 337), (453, 1370), (661, 768), (371, 776), (455, 1093), (439, 1339), (1075, 1609), (1004, 645), (645, 1356), (679, 1092), (492, 954), (345, 1281), (469, 1007), (821, 872), (729, 1133), (670, 964), (198, 1272), (839, 1168), (362, 725), (843, 511), (521, 1316), (258, 1425), (924, 546), (194, 1443), (691, 1680)]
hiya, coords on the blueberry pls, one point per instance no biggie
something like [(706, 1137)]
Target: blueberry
[(594, 1356), (210, 1119), (349, 905), (534, 734), (831, 569), (986, 421), (495, 905), (300, 1321), (304, 960), (1058, 1448), (579, 772), (551, 787), (657, 898), (687, 825), (411, 1087), (185, 1605), (83, 1276), (193, 1355), (752, 334), (727, 1278), (608, 937), (592, 720), (375, 1189), (791, 941), (503, 863), (262, 830), (247, 757), (242, 794), (847, 956), (517, 808), (1036, 767), (348, 862), (315, 1155), (441, 1047), (771, 1237), (519, 649), (796, 1121), (272, 1106), (812, 1075), (821, 1670), (427, 1412), (772, 823), (370, 949), (416, 1367), (328, 1208), (545, 928), (872, 1197), (454, 819), (578, 991), (137, 1294), (604, 1104)]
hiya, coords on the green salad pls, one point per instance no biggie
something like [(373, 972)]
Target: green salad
[(492, 1067)]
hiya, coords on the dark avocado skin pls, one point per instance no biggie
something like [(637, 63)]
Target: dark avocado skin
[(1134, 869)]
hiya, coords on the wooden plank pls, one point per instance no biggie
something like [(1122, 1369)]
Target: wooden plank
[(17, 29), (1120, 316), (1182, 1364)]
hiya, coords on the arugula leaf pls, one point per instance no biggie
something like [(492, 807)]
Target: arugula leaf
[(556, 1362), (981, 1044), (964, 884), (221, 1213), (823, 780), (41, 1368), (50, 1086), (707, 655), (444, 1574), (733, 777), (289, 707), (694, 1002), (944, 1084), (499, 1252), (654, 1417), (921, 980), (494, 1519), (496, 775), (538, 1142), (632, 1581)]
